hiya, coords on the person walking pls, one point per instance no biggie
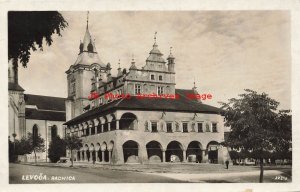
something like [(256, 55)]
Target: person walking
[(227, 164)]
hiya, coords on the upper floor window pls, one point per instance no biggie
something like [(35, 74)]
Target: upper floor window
[(200, 127), (214, 127), (185, 127), (154, 126), (101, 101), (137, 89), (152, 77), (160, 90), (169, 128), (160, 78)]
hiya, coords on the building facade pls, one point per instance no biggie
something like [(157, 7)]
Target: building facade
[(43, 115), (138, 116)]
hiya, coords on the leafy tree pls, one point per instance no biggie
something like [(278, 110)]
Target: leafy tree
[(255, 124), (36, 144), (57, 149), (73, 143), (28, 29)]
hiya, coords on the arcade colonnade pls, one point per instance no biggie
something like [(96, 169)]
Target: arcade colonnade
[(151, 152)]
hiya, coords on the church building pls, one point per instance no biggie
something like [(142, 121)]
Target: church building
[(138, 116)]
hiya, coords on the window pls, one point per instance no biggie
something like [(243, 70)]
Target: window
[(169, 128), (200, 127), (152, 77), (185, 127), (160, 78), (100, 101), (35, 131), (53, 131), (214, 127), (160, 90), (137, 89), (154, 126)]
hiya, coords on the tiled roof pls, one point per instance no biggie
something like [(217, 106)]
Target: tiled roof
[(15, 87), (182, 104), (46, 102), (45, 115)]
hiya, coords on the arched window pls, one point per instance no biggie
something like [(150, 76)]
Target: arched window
[(53, 131), (35, 131)]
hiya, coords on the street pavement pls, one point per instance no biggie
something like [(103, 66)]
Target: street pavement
[(19, 173), (160, 173)]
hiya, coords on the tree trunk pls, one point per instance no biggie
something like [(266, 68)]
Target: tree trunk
[(71, 158), (261, 176), (34, 156)]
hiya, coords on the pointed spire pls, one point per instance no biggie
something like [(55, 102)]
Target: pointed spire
[(132, 63), (119, 69), (155, 37), (87, 20), (194, 88)]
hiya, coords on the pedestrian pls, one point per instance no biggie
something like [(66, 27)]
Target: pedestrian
[(227, 163)]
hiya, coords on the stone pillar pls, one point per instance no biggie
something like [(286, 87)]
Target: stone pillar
[(117, 125), (102, 127), (184, 156), (143, 154), (103, 160), (85, 156), (108, 125), (96, 130), (91, 156), (163, 156), (204, 157), (109, 156), (97, 158)]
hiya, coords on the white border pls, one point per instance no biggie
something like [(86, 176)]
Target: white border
[(113, 5)]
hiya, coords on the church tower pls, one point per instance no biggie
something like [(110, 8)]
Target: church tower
[(16, 103), (88, 66)]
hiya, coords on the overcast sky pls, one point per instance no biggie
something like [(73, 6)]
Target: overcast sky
[(225, 51)]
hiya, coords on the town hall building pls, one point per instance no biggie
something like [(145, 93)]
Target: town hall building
[(138, 116)]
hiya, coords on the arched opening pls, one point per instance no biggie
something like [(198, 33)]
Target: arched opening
[(99, 128), (78, 156), (113, 124), (87, 152), (212, 149), (105, 125), (99, 157), (194, 152), (92, 126), (154, 151), (131, 151), (128, 121), (174, 152), (53, 131), (35, 131)]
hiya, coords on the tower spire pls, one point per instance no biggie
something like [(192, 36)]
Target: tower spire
[(155, 37), (87, 20), (194, 88)]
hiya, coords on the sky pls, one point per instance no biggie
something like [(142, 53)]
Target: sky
[(225, 52)]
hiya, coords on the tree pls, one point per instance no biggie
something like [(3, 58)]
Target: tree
[(255, 125), (28, 29), (73, 143), (57, 149), (36, 144)]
